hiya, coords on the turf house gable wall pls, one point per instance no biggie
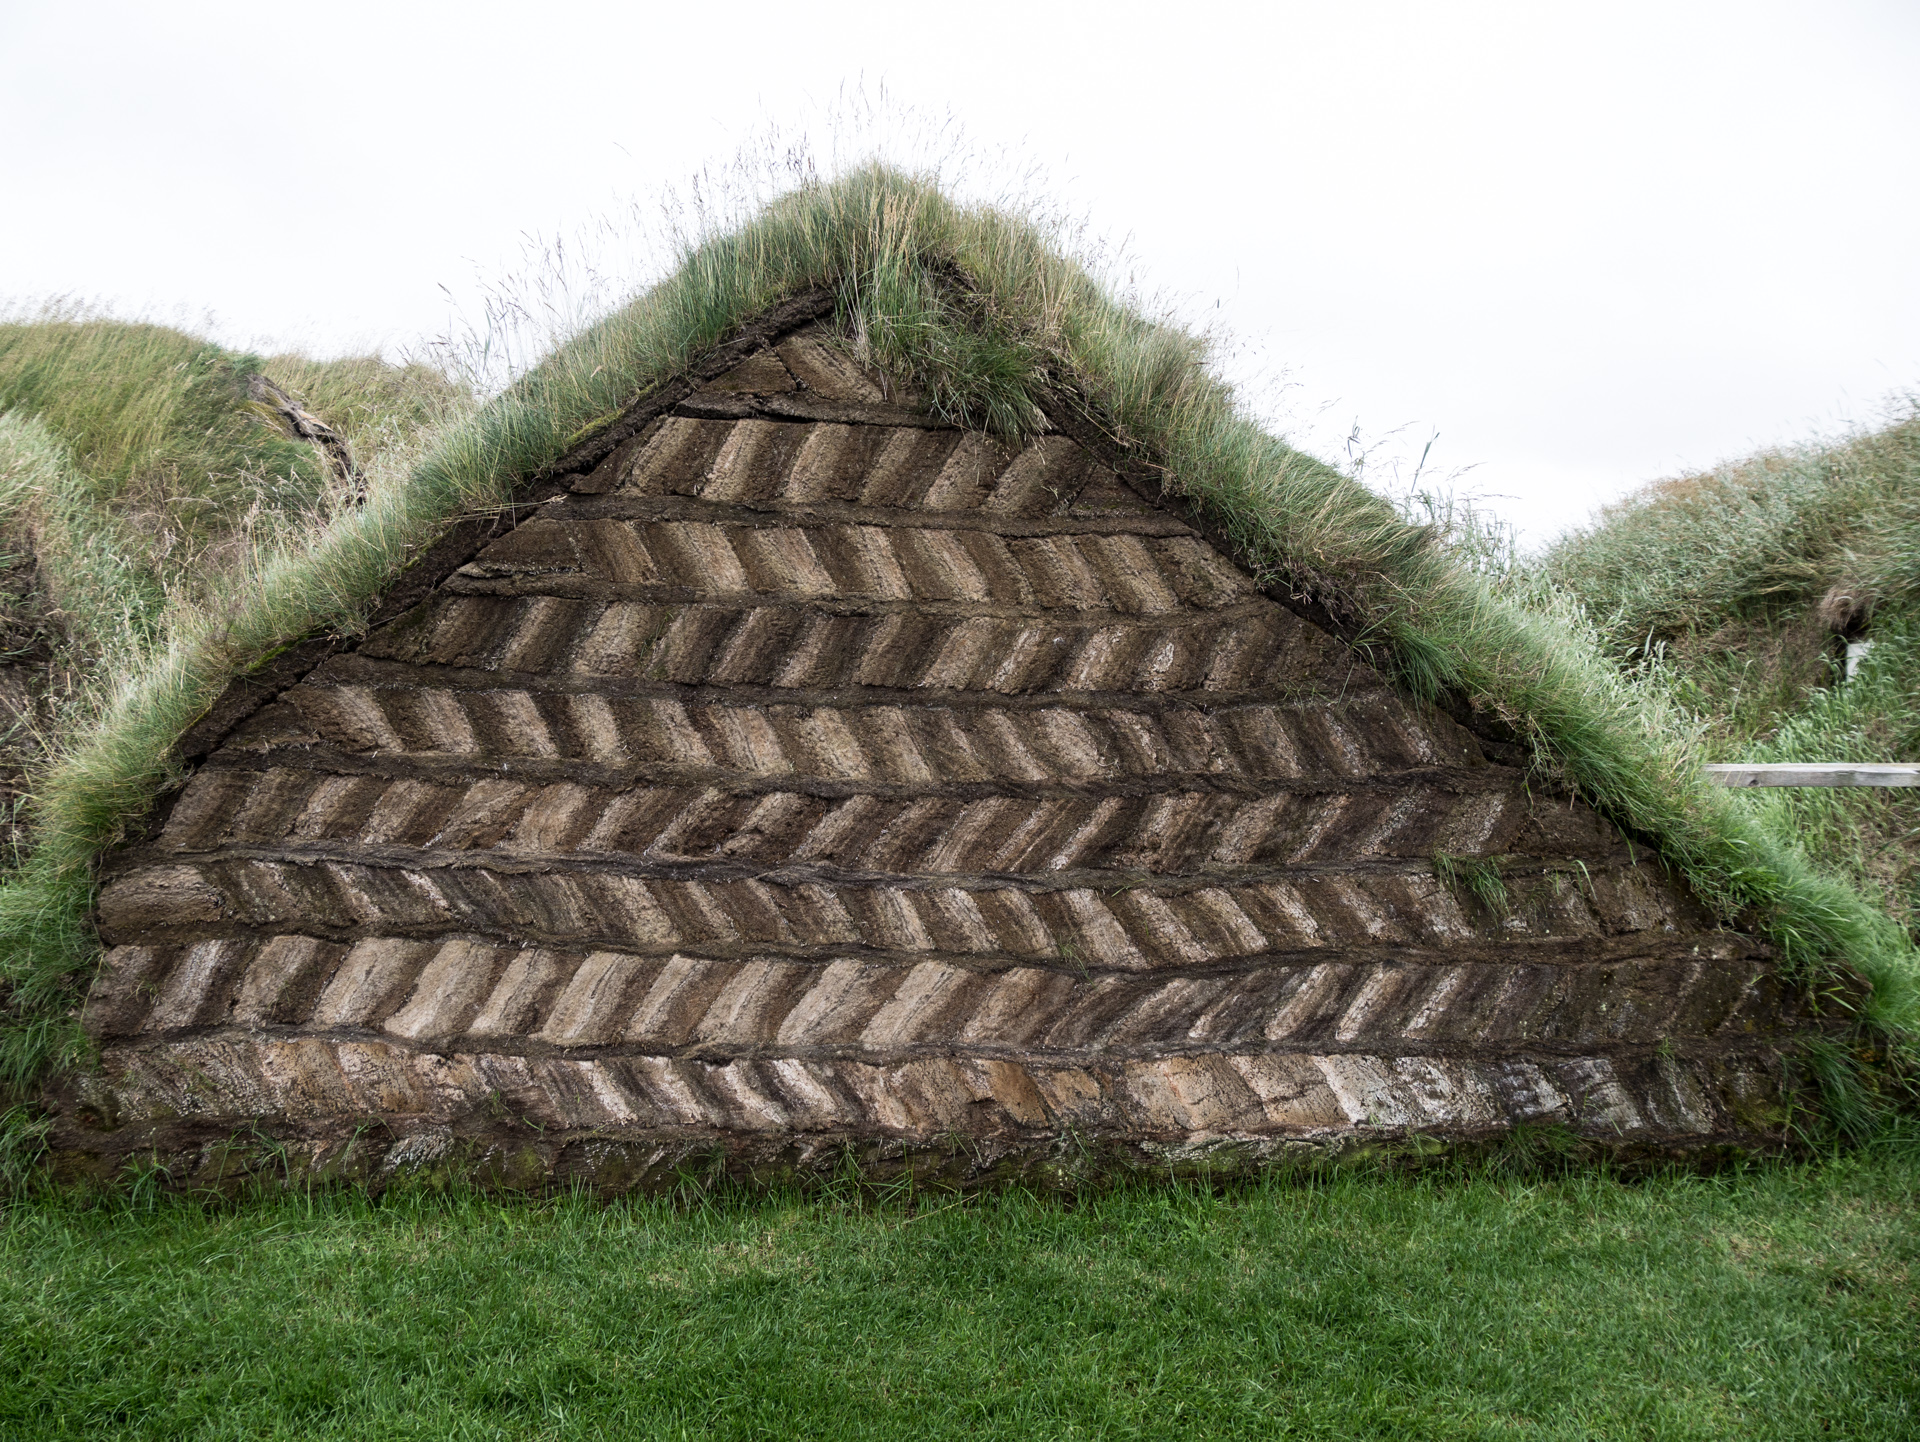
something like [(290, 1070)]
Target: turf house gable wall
[(807, 776)]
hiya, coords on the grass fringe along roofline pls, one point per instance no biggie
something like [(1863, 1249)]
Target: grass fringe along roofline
[(981, 313)]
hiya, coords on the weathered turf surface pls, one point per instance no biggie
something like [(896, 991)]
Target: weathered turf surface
[(1777, 1303)]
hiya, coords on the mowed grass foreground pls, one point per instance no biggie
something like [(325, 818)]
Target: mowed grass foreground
[(1772, 1303)]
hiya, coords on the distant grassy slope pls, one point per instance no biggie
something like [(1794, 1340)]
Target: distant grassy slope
[(164, 447), (75, 604), (1740, 575), (1740, 584)]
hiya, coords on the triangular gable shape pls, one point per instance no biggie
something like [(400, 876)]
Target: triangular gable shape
[(810, 774)]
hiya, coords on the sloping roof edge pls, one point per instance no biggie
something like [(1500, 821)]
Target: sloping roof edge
[(1001, 331)]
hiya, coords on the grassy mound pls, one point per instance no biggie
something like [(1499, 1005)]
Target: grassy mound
[(141, 449), (1738, 589), (981, 312)]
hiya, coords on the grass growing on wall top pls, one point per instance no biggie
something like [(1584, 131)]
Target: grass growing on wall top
[(978, 310)]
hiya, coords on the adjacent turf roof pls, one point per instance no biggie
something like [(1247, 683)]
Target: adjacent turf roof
[(981, 314), (1740, 585)]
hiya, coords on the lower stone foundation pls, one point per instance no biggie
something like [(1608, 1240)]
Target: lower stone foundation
[(368, 1111)]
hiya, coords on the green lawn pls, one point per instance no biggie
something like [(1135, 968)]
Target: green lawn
[(1777, 1302)]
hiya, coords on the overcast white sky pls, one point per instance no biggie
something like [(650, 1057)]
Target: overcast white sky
[(1586, 245)]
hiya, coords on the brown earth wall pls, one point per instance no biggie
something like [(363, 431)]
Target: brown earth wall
[(808, 778)]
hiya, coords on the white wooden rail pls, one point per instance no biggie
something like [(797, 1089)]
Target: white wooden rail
[(1815, 773)]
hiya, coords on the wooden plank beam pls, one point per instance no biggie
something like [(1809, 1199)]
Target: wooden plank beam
[(1816, 773)]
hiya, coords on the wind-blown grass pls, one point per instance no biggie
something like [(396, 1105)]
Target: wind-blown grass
[(980, 312)]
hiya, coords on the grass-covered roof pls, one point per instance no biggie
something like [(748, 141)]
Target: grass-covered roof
[(1743, 588), (979, 312)]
